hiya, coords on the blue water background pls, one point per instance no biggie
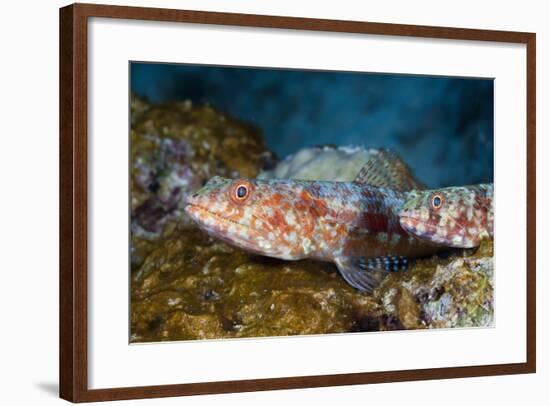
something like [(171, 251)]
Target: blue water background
[(442, 127)]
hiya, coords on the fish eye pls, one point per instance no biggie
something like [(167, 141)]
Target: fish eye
[(437, 201), (241, 192)]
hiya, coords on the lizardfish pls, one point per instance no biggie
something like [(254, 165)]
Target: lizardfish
[(355, 224), (457, 217)]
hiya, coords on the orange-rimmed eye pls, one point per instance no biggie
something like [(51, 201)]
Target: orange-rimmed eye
[(240, 191), (437, 201)]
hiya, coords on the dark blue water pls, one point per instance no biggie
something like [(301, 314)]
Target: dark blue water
[(442, 127)]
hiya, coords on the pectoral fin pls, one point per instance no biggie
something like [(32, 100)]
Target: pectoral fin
[(365, 274)]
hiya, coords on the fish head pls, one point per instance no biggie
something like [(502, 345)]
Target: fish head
[(256, 215), (443, 217)]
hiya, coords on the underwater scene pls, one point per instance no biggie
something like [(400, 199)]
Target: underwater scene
[(277, 202)]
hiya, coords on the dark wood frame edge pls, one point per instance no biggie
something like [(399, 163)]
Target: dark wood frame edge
[(73, 202)]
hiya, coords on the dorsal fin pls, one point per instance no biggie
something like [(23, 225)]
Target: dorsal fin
[(385, 169)]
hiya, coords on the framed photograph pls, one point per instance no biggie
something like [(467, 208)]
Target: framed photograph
[(255, 202)]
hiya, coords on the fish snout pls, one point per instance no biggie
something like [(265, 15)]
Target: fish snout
[(404, 220), (192, 202), (191, 198), (406, 214), (408, 222)]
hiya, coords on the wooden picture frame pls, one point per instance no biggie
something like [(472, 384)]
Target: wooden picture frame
[(73, 200)]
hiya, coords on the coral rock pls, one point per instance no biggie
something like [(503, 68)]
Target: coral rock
[(175, 149), (321, 163)]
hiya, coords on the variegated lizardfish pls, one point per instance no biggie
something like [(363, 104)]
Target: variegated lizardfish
[(457, 217), (355, 224)]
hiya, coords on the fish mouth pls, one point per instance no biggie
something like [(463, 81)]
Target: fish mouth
[(421, 230), (221, 227), (416, 228), (231, 231), (200, 213), (408, 223)]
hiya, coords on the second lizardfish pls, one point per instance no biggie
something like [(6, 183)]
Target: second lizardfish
[(355, 224), (458, 217)]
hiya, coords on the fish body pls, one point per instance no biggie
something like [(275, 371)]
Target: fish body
[(352, 224), (457, 217)]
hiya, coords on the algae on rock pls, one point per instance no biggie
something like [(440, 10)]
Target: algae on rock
[(194, 287), (443, 293), (174, 149)]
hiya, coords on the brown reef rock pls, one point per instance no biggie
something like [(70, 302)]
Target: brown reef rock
[(195, 287), (175, 149)]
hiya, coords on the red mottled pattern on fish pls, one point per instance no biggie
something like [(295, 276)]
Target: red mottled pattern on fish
[(353, 224), (453, 217)]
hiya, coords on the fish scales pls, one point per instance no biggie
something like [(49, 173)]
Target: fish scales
[(457, 217), (352, 224)]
